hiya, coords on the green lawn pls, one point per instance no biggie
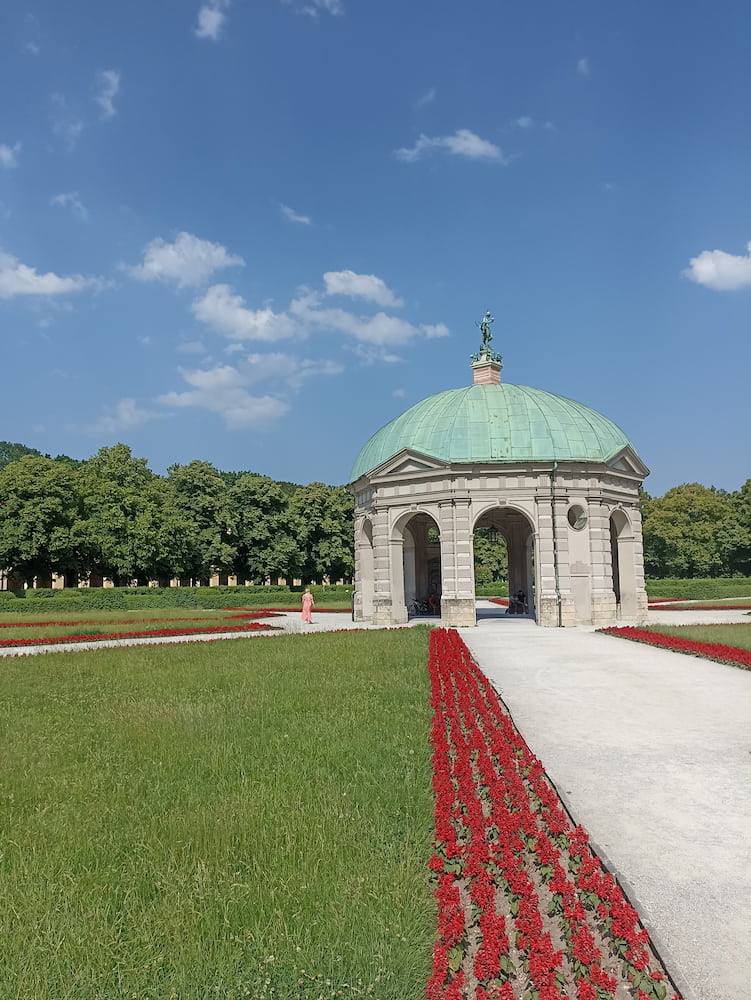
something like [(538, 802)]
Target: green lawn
[(727, 635), (735, 602), (209, 821)]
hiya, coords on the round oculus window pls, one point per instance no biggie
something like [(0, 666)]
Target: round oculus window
[(577, 517)]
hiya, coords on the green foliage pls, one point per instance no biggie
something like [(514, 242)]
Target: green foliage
[(693, 531), (10, 452), (321, 519), (700, 588), (491, 556)]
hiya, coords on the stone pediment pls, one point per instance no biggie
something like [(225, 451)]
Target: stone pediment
[(407, 463), (629, 464)]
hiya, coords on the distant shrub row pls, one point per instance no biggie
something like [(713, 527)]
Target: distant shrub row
[(135, 598), (700, 589)]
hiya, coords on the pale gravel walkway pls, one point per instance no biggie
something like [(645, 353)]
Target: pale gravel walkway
[(651, 751)]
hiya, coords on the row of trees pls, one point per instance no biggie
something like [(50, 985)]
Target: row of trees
[(111, 516), (695, 531)]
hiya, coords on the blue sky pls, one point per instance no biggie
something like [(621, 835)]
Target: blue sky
[(254, 231)]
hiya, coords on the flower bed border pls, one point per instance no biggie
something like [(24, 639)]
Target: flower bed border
[(525, 909), (707, 650), (156, 633)]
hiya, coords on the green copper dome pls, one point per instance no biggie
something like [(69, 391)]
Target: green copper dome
[(496, 423)]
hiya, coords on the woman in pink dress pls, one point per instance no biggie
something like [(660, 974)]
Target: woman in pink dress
[(307, 606)]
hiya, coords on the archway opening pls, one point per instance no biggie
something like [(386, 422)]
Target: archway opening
[(421, 573), (366, 569), (622, 563), (510, 528)]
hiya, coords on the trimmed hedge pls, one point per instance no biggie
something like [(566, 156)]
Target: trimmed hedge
[(700, 589), (134, 598)]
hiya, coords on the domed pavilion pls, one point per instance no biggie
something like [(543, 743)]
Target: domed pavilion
[(556, 479)]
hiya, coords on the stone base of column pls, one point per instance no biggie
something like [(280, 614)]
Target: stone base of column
[(641, 607), (547, 612), (604, 609), (385, 613), (458, 611)]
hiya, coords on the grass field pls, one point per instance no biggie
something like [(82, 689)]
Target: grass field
[(726, 635), (207, 821), (736, 602)]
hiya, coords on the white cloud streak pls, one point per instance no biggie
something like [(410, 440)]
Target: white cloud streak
[(9, 155), (19, 279), (582, 67), (380, 329), (224, 311), (66, 125), (427, 98), (71, 200), (187, 261), (720, 271), (107, 87), (362, 286), (461, 143), (211, 20), (292, 216), (222, 390), (125, 415)]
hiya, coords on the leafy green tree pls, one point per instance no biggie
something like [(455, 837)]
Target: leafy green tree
[(40, 505), (131, 527), (322, 520), (491, 556), (10, 452), (264, 546), (203, 498), (741, 503), (692, 531)]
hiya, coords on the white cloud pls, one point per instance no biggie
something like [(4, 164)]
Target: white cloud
[(292, 216), (31, 49), (461, 143), (108, 87), (222, 390), (379, 329), (191, 347), (399, 393), (719, 270), (362, 286), (211, 18), (9, 155), (18, 279), (314, 7), (582, 66), (268, 367), (227, 313), (125, 415), (427, 98), (66, 125), (187, 261), (524, 122), (72, 200)]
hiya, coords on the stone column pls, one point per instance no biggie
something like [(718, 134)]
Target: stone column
[(603, 595), (457, 564), (554, 565)]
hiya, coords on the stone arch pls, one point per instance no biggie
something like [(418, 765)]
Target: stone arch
[(518, 530), (419, 572), (366, 567), (623, 562)]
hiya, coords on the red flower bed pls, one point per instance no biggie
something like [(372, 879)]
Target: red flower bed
[(524, 907), (709, 650), (42, 641)]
